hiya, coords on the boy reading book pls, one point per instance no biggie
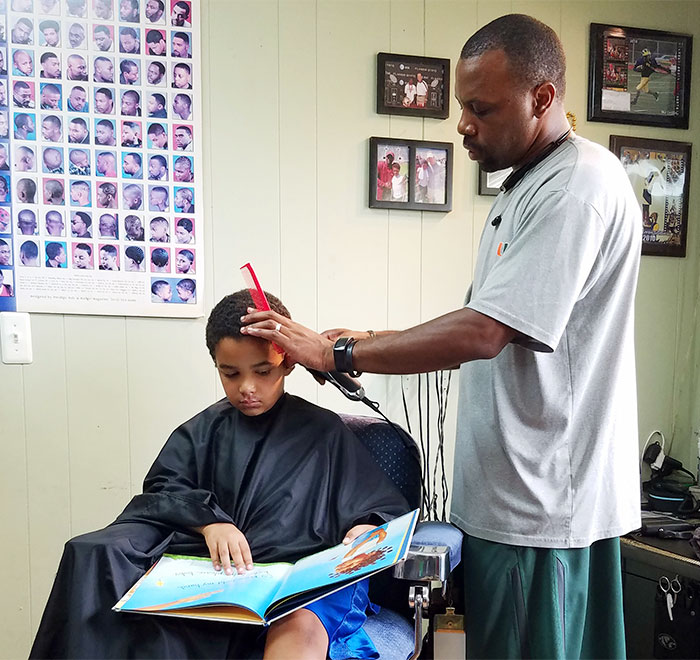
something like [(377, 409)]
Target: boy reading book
[(259, 476)]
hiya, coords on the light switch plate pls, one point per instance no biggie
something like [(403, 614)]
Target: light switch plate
[(15, 337)]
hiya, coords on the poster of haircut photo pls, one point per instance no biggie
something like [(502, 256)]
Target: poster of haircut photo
[(100, 157)]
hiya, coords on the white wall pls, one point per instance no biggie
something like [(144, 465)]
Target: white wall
[(286, 181)]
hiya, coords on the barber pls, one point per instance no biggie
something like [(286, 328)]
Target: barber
[(545, 475)]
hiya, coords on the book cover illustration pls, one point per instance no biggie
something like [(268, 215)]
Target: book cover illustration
[(189, 586)]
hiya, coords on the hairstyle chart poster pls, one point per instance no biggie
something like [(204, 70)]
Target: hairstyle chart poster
[(100, 157)]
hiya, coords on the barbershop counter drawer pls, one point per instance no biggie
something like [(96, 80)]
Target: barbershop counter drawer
[(648, 631)]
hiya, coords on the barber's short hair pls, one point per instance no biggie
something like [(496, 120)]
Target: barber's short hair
[(109, 249), (160, 160), (182, 35), (225, 319), (102, 28), (47, 56), (84, 246), (533, 49), (105, 90), (159, 98)]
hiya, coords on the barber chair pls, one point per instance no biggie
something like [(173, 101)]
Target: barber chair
[(398, 630)]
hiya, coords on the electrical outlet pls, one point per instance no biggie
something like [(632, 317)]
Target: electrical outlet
[(15, 338)]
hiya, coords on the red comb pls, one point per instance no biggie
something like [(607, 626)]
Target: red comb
[(257, 294)]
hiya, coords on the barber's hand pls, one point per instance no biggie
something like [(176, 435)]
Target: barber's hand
[(227, 545), (299, 342)]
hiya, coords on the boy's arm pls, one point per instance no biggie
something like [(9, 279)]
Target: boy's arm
[(173, 492)]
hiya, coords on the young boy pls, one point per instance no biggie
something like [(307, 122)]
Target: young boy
[(259, 476)]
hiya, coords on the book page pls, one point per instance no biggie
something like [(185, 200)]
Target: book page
[(177, 582), (377, 549)]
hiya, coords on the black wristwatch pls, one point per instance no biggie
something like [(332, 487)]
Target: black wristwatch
[(342, 356)]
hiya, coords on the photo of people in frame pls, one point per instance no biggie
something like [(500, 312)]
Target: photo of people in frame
[(55, 254), (185, 261), (25, 159), (181, 13), (23, 94), (29, 254), (392, 173), (182, 106), (49, 33), (53, 191), (413, 85), (50, 96), (53, 222), (156, 74), (22, 62), (156, 42), (7, 283), (160, 260), (155, 11), (82, 256), (109, 257), (52, 160), (431, 167), (102, 10), (134, 259), (184, 230)]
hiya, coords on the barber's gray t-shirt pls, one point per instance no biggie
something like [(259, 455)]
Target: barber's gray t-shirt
[(547, 448)]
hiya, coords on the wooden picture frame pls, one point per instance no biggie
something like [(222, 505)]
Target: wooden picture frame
[(399, 78), (423, 178), (618, 89), (659, 171)]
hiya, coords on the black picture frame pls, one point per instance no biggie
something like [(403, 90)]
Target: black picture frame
[(659, 171), (615, 69), (427, 189), (394, 71), (490, 182)]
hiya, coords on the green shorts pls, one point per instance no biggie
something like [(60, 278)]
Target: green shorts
[(543, 602)]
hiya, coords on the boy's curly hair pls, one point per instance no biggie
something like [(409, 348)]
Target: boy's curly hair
[(225, 318)]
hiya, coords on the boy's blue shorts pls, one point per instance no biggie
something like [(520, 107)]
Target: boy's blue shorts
[(343, 614)]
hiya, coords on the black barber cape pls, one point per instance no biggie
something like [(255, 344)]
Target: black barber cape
[(294, 480)]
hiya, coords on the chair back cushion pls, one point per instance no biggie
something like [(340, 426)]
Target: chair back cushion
[(394, 450)]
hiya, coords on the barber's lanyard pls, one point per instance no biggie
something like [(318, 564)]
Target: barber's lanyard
[(516, 176)]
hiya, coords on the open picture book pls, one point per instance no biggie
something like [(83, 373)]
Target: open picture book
[(189, 586)]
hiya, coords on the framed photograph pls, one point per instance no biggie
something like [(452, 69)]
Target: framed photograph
[(639, 76), (412, 85), (660, 174), (490, 182), (410, 174)]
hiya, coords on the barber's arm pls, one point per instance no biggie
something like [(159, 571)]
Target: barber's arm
[(456, 337)]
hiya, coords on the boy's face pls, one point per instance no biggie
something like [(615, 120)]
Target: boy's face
[(251, 372)]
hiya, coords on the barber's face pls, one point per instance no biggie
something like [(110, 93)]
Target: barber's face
[(497, 119)]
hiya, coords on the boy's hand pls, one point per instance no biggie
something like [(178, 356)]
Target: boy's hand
[(356, 531), (227, 545)]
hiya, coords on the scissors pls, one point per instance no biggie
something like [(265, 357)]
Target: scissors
[(671, 589)]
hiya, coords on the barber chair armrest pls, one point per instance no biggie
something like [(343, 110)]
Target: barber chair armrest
[(436, 549)]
